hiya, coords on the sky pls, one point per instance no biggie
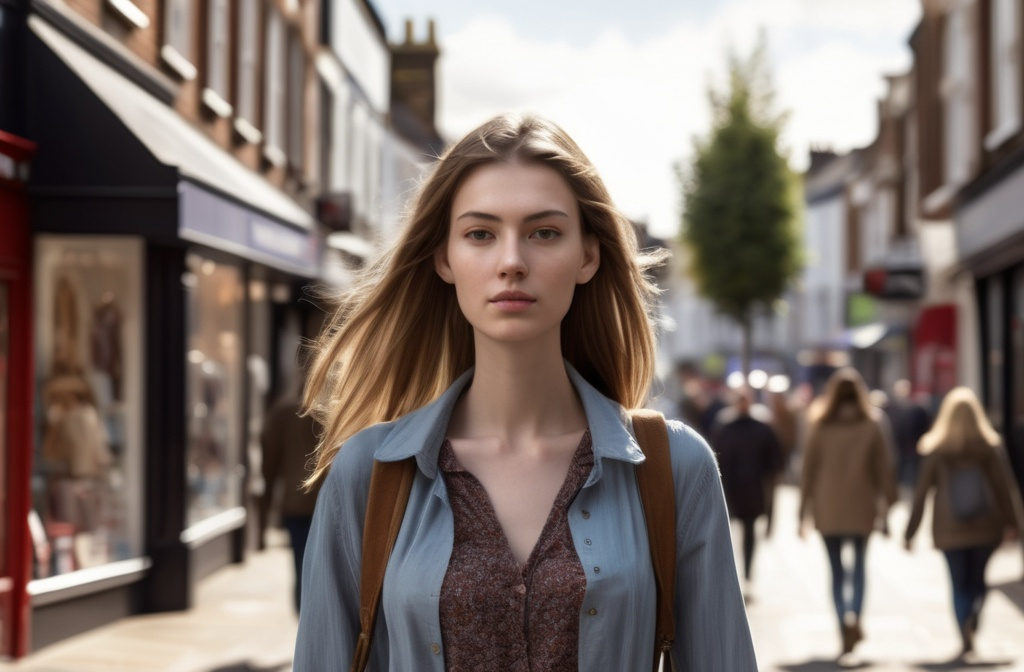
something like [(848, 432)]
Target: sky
[(628, 79)]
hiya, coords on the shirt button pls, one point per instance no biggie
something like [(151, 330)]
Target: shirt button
[(587, 542), (597, 570), (592, 612), (521, 589), (586, 514), (435, 648)]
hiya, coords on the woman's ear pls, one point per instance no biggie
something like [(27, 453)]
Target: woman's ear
[(441, 264), (591, 259)]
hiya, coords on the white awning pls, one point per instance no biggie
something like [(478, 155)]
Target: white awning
[(169, 137)]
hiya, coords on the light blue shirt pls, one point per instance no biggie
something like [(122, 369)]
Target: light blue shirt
[(616, 627)]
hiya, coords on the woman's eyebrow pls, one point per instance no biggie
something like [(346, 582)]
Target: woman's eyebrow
[(543, 214)]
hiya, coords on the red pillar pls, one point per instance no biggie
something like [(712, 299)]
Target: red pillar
[(16, 273)]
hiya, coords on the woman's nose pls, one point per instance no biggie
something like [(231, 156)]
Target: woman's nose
[(513, 262)]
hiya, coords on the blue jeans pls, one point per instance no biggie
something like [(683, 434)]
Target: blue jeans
[(842, 575), (298, 532), (967, 573)]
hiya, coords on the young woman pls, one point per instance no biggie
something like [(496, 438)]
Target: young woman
[(846, 483), (977, 504), (498, 342)]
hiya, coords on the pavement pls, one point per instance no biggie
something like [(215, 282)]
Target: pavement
[(243, 621)]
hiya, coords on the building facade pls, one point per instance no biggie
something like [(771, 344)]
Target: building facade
[(970, 83), (172, 188)]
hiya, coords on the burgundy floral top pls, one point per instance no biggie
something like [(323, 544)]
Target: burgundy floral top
[(495, 613)]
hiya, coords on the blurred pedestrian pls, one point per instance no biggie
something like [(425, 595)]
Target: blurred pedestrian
[(750, 459), (976, 501), (909, 421), (499, 342), (289, 440), (847, 482)]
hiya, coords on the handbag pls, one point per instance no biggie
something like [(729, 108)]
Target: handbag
[(391, 483)]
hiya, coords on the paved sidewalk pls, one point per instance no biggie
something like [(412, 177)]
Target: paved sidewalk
[(907, 618), (242, 622)]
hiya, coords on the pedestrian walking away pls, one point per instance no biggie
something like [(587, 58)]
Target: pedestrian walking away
[(500, 344), (847, 484), (750, 459), (976, 504), (288, 440)]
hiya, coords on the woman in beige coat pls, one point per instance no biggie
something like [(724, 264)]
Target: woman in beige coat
[(977, 504), (846, 485)]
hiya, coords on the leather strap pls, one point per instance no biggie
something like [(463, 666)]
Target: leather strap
[(657, 493), (390, 484)]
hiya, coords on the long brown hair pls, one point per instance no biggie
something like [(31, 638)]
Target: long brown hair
[(398, 338), (961, 425), (844, 386)]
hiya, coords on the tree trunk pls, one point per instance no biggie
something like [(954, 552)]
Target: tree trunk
[(746, 348)]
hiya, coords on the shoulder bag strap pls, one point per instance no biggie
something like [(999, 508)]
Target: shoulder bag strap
[(390, 484), (657, 493)]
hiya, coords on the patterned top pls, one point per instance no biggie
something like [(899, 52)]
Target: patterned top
[(495, 613)]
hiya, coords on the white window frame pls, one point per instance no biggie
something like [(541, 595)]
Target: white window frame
[(274, 88), (176, 51), (218, 58), (957, 92), (1004, 55), (130, 12), (247, 64)]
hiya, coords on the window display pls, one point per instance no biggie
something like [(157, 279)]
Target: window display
[(88, 467), (214, 386)]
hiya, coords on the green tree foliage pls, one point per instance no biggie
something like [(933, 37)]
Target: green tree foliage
[(741, 200)]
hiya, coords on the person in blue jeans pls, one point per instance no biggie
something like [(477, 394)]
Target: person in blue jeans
[(977, 504), (847, 481), (847, 581)]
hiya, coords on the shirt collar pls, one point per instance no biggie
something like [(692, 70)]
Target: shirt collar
[(420, 433)]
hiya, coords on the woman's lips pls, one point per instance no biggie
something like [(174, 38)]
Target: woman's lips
[(513, 301)]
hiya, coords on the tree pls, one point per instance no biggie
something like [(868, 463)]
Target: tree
[(741, 200)]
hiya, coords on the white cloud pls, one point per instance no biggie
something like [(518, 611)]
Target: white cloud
[(634, 107)]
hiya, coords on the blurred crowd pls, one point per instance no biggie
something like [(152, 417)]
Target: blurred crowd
[(853, 453)]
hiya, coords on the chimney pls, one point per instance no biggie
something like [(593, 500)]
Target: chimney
[(413, 81)]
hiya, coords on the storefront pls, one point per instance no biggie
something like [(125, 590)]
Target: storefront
[(164, 276), (990, 240), (15, 391)]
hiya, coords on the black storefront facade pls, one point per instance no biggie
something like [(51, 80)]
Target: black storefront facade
[(164, 278), (990, 241)]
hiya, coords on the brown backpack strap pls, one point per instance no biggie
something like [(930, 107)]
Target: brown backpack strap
[(657, 493), (390, 484)]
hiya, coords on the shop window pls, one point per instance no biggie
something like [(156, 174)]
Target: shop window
[(214, 387), (87, 476), (176, 51), (274, 89), (215, 94), (247, 56), (1006, 71)]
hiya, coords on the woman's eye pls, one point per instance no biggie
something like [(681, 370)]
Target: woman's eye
[(546, 234), (478, 235)]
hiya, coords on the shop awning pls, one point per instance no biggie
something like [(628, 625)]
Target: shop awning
[(169, 137)]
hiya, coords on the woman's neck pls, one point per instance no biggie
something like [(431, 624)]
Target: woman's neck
[(518, 394)]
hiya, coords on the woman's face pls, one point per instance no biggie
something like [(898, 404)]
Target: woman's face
[(516, 251)]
